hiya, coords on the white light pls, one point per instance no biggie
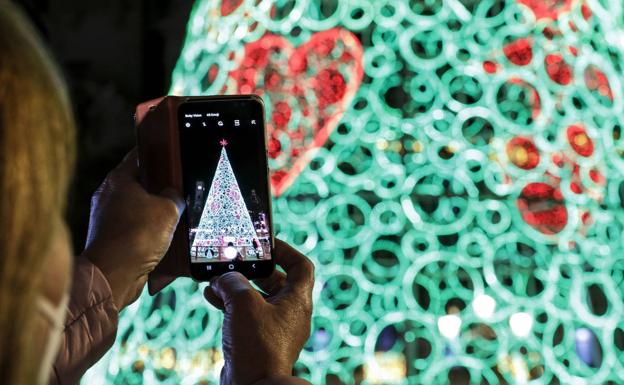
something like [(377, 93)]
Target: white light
[(519, 370), (385, 368), (188, 124), (583, 335), (230, 252), (521, 324), (449, 326), (484, 306), (438, 114)]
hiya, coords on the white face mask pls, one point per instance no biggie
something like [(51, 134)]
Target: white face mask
[(56, 320)]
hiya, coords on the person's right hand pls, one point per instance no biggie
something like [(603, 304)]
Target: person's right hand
[(129, 230), (262, 337)]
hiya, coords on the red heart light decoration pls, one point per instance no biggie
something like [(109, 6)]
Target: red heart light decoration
[(543, 207), (547, 9), (229, 6), (308, 89)]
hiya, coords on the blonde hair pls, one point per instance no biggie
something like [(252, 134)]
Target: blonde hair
[(36, 159)]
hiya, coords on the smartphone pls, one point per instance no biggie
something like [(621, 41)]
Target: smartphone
[(225, 182)]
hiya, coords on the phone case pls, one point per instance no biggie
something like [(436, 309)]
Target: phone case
[(159, 168)]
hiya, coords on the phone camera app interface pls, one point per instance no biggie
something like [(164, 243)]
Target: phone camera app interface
[(225, 181)]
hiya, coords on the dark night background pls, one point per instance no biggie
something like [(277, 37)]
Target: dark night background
[(114, 54)]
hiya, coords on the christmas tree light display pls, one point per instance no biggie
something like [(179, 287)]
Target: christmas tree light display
[(225, 224), (454, 168)]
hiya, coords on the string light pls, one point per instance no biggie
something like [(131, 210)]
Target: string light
[(449, 326), (484, 306), (521, 324)]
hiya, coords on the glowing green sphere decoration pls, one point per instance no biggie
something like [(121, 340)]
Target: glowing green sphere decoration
[(455, 170)]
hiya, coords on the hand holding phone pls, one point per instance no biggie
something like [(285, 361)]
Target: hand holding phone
[(263, 336), (213, 151), (130, 230)]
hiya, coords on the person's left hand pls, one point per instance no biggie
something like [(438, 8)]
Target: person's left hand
[(263, 335), (129, 230)]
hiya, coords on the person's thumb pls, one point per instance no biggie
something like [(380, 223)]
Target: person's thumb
[(235, 291), (175, 197)]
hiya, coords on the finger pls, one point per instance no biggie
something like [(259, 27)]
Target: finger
[(235, 291), (129, 166), (299, 269), (273, 284), (212, 298), (176, 197)]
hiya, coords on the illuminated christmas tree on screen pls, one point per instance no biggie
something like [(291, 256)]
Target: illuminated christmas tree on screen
[(455, 170), (225, 220)]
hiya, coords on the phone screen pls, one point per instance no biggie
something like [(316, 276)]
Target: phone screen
[(225, 178)]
